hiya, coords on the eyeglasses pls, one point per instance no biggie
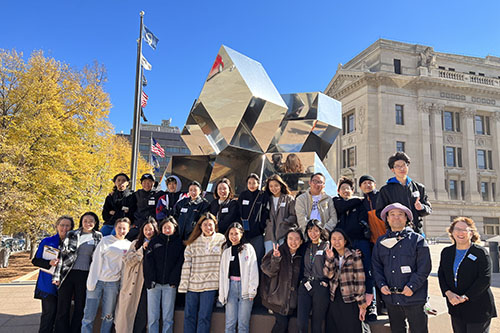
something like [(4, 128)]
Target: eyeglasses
[(400, 166), (462, 230), (317, 182)]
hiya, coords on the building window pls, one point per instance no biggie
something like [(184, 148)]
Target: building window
[(400, 114), (484, 159), (462, 189), (453, 190), (482, 124), (453, 157), (348, 123), (484, 191), (349, 157), (400, 146), (451, 121), (397, 66), (491, 225), (471, 72), (451, 69), (441, 67), (493, 192)]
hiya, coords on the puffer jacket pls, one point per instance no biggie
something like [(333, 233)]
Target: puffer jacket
[(280, 280), (187, 212)]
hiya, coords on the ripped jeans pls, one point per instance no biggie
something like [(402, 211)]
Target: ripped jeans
[(109, 292)]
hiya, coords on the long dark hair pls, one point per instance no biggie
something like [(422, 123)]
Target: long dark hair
[(142, 237), (283, 185), (323, 234), (197, 228), (348, 243), (243, 241), (96, 219)]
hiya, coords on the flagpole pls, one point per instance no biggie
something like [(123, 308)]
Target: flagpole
[(137, 112)]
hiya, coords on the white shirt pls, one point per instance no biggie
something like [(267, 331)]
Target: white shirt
[(275, 202), (314, 210)]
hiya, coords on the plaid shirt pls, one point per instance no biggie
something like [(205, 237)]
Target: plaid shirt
[(68, 253), (351, 277)]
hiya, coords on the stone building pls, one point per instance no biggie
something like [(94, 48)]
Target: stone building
[(169, 138), (442, 109)]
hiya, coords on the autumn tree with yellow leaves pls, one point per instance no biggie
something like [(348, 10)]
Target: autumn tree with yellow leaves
[(57, 150)]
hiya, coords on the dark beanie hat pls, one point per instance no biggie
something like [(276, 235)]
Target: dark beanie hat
[(366, 177)]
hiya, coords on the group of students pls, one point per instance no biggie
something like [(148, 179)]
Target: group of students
[(309, 256)]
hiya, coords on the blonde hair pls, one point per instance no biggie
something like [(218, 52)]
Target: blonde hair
[(470, 223)]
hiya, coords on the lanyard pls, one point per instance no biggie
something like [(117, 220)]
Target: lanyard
[(458, 267)]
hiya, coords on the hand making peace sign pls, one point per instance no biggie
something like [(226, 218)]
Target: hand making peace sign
[(329, 251), (276, 251)]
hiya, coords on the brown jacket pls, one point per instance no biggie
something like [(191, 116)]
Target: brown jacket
[(351, 277), (280, 280), (131, 288), (280, 219)]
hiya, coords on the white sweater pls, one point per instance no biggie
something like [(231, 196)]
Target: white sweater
[(249, 273), (107, 261)]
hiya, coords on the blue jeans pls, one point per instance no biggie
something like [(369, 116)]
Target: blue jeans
[(109, 292), (238, 310), (164, 295), (107, 230), (198, 311)]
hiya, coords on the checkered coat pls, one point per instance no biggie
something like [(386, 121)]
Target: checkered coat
[(350, 277), (68, 253)]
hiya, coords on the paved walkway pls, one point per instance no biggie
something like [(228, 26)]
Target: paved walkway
[(20, 312)]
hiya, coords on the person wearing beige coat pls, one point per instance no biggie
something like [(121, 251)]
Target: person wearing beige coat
[(131, 308)]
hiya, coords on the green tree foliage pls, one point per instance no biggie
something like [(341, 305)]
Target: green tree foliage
[(57, 149)]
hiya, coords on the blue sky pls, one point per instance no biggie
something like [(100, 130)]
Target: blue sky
[(299, 43)]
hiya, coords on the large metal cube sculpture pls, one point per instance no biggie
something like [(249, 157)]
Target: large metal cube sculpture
[(241, 124)]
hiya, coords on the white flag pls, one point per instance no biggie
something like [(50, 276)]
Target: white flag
[(144, 63)]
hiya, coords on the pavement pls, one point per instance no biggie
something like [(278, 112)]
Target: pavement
[(20, 312)]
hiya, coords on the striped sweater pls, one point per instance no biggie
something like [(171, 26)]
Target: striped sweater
[(200, 271)]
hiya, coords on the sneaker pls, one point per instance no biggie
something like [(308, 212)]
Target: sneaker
[(429, 310)]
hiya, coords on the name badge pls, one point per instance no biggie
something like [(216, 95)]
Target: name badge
[(308, 286), (472, 257), (283, 204), (90, 242), (225, 210), (184, 210), (232, 258), (245, 202), (416, 194), (151, 202), (319, 252), (405, 269)]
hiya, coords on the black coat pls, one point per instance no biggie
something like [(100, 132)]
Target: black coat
[(163, 260), (187, 212), (226, 213), (141, 206), (473, 281), (351, 213), (115, 201), (258, 215), (406, 195)]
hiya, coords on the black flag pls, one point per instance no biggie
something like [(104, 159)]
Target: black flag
[(143, 115)]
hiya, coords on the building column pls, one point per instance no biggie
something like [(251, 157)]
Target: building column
[(469, 156), (427, 155), (435, 169), (495, 124)]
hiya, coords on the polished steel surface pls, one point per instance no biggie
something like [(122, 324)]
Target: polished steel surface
[(240, 116)]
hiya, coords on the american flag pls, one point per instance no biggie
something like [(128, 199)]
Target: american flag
[(144, 99), (156, 148)]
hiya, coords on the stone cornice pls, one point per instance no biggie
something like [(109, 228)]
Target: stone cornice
[(426, 82)]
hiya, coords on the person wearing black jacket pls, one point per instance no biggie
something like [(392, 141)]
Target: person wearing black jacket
[(166, 202), (113, 205), (224, 207), (141, 205), (404, 190), (162, 272), (465, 279), (189, 210), (353, 220), (253, 212)]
